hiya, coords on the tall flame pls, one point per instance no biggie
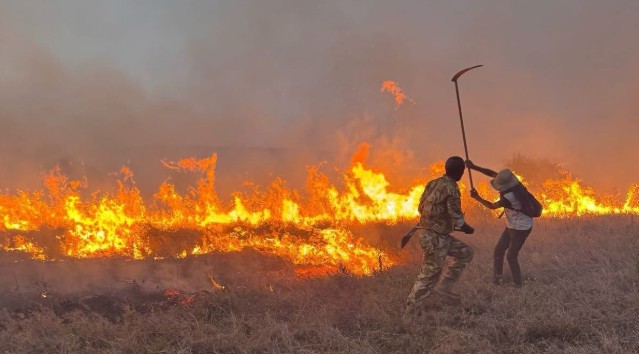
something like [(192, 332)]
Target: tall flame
[(309, 229)]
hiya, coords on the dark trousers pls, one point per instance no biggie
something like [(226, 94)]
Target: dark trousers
[(511, 240)]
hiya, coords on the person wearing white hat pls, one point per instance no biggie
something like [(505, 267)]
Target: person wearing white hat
[(518, 225)]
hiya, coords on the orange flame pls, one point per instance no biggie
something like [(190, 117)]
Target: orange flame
[(310, 229), (393, 88)]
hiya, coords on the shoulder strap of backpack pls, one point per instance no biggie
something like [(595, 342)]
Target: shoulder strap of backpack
[(507, 202), (501, 195)]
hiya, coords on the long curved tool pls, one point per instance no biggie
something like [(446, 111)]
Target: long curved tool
[(461, 119)]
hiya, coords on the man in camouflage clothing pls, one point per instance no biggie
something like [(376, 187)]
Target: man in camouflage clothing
[(441, 213)]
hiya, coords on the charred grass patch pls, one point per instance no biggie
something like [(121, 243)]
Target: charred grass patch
[(580, 295)]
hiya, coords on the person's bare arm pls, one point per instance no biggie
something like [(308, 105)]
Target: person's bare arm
[(488, 172), (490, 205)]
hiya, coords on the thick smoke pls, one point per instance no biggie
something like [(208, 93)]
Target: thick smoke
[(273, 86)]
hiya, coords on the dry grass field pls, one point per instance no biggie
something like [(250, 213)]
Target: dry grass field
[(580, 295)]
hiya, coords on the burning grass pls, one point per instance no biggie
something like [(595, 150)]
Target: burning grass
[(581, 294), (312, 271), (310, 228)]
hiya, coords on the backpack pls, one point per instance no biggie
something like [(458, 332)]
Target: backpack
[(530, 206)]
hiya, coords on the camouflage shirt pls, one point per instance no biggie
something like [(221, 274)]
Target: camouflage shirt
[(440, 206)]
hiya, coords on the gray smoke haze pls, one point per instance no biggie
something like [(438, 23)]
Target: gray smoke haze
[(273, 86)]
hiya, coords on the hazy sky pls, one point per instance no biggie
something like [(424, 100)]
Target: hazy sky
[(104, 83)]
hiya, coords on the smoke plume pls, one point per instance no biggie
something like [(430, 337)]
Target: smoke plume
[(273, 86)]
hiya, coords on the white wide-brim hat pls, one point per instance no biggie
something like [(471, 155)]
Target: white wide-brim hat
[(504, 181)]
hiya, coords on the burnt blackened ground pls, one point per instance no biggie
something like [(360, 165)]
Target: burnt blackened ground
[(580, 295)]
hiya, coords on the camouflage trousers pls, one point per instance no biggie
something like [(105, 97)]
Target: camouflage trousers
[(436, 248)]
